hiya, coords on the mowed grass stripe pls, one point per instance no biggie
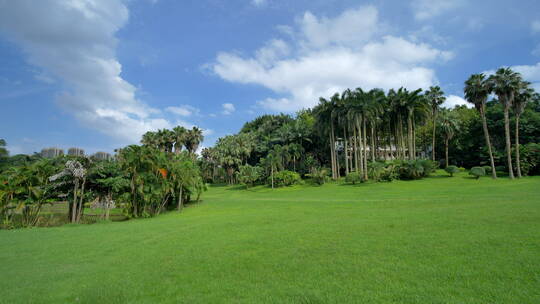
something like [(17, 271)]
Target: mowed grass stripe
[(438, 240)]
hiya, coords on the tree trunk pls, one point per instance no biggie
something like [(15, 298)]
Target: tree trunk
[(372, 142), (365, 149), (446, 150), (433, 136), (410, 136), (81, 202), (346, 151), (508, 144), (356, 162), (518, 164), (74, 204), (488, 144), (272, 175), (180, 205)]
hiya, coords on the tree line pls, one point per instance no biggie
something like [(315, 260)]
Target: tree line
[(352, 131)]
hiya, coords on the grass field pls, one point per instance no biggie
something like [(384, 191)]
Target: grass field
[(437, 240)]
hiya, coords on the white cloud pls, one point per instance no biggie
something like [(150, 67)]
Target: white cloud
[(535, 26), (183, 110), (258, 3), (74, 42), (529, 73), (426, 9), (330, 55), (228, 108), (453, 100)]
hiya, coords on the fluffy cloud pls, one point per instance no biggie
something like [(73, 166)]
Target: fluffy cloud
[(426, 9), (258, 2), (535, 26), (228, 108), (183, 110), (330, 55), (453, 100), (530, 73), (74, 42)]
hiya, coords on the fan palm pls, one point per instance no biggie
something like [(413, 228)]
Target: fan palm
[(435, 97), (476, 92), (521, 99), (449, 126), (193, 138), (179, 138), (505, 83)]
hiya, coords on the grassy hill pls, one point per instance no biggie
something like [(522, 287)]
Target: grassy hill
[(437, 240)]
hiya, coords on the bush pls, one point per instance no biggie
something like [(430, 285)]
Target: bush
[(477, 172), (249, 175), (451, 170), (462, 169), (353, 178), (487, 169), (286, 178), (415, 169), (375, 170), (319, 175), (389, 173), (529, 159)]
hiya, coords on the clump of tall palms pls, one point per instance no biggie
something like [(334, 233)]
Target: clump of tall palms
[(477, 90), (173, 140)]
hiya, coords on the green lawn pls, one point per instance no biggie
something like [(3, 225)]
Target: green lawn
[(438, 240)]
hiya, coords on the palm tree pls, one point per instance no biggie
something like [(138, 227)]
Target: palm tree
[(476, 92), (435, 97), (273, 160), (520, 102), (179, 138), (193, 138), (449, 126), (413, 101), (505, 83), (324, 112), (150, 139), (3, 150)]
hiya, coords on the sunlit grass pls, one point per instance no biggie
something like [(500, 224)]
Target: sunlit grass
[(437, 240)]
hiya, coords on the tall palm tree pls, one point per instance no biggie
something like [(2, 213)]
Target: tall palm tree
[(476, 92), (150, 139), (505, 83), (325, 118), (521, 99), (179, 138), (435, 97), (193, 138), (449, 126)]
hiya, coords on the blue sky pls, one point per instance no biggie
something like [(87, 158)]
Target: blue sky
[(97, 74)]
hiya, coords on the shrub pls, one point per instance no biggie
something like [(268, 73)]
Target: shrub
[(477, 172), (429, 166), (389, 173), (286, 178), (353, 178), (249, 175), (487, 169), (319, 175), (530, 159), (375, 170), (451, 170), (462, 169)]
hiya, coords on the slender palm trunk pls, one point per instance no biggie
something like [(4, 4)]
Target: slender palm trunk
[(518, 164), (433, 136), (488, 144), (346, 150), (180, 204), (446, 150), (508, 144), (74, 204), (372, 142), (365, 148), (355, 138), (410, 136), (332, 151), (272, 175)]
